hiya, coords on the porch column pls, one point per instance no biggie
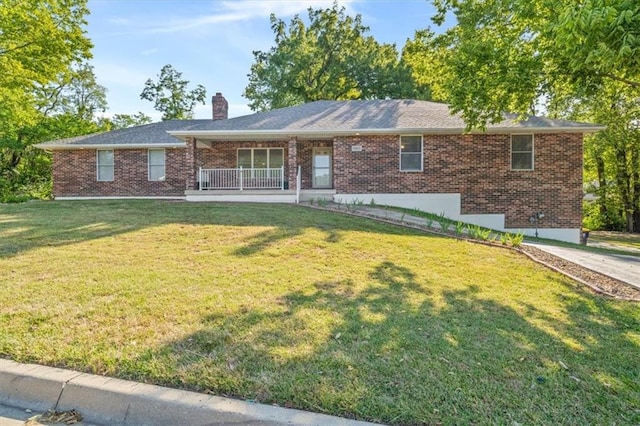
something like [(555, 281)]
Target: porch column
[(190, 164), (292, 162)]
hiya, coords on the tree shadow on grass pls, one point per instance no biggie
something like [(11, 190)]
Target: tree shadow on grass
[(401, 350), (34, 225)]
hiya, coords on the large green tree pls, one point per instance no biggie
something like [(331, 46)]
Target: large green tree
[(520, 54), (39, 42), (578, 59), (171, 96), (331, 57)]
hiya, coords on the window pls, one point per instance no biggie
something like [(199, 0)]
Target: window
[(105, 165), (156, 164), (411, 153), (260, 158), (521, 152)]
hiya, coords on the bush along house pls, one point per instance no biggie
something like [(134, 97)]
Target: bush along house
[(519, 176)]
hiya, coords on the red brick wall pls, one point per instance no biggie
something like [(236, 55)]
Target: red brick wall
[(74, 174), (477, 167), (305, 159)]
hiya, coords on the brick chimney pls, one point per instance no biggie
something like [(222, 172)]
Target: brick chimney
[(220, 107)]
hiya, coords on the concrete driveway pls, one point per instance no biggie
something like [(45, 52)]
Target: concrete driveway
[(621, 267)]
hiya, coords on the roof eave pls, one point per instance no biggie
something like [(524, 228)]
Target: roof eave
[(110, 146), (328, 133)]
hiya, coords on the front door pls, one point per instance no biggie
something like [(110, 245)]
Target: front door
[(322, 165)]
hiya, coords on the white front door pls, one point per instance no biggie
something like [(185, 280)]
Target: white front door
[(322, 165)]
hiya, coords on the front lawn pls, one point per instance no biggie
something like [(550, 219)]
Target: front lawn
[(313, 310)]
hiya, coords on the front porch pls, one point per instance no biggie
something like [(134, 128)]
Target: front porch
[(259, 170)]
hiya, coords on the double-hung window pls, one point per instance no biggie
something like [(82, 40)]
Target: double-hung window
[(521, 152), (155, 162), (411, 153), (105, 163)]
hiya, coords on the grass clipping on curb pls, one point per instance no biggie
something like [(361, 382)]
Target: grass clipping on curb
[(313, 310)]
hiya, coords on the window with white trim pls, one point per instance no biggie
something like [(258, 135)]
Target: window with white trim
[(260, 158), (155, 161), (104, 160), (411, 153), (521, 152)]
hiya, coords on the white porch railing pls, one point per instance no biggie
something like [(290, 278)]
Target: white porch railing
[(241, 178)]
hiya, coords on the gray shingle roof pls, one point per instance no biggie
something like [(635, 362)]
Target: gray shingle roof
[(320, 117), (147, 134), (368, 114)]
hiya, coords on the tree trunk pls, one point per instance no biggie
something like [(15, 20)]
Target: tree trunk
[(602, 188)]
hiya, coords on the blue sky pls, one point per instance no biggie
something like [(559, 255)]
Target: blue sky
[(211, 42)]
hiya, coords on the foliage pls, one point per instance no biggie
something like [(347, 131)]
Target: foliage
[(443, 221), (477, 232), (42, 44), (75, 92), (330, 58), (38, 41), (612, 156), (574, 60), (170, 95), (516, 240), (122, 121), (509, 56)]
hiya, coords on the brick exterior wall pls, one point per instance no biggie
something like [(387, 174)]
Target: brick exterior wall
[(305, 159), (477, 167), (75, 175)]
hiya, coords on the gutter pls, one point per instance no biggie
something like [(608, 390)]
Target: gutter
[(47, 146), (330, 133)]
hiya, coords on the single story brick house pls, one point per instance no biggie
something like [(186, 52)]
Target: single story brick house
[(515, 175)]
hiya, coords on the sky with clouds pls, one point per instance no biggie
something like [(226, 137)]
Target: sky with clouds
[(211, 42)]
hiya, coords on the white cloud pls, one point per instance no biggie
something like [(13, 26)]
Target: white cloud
[(111, 74), (119, 21), (151, 51), (241, 11)]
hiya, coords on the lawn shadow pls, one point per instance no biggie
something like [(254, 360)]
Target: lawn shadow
[(33, 225), (400, 350)]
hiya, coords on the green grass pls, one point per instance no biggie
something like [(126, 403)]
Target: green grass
[(314, 310), (616, 242)]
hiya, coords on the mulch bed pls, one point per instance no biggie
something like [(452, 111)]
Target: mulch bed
[(595, 281)]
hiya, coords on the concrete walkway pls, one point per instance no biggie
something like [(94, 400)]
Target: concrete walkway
[(621, 267), (114, 402)]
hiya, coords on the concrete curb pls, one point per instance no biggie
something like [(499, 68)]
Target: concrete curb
[(104, 400)]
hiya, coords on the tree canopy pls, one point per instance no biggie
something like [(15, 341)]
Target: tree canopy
[(519, 55), (575, 60), (331, 57), (170, 95), (40, 43)]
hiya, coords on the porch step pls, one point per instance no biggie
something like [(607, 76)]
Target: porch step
[(260, 195), (245, 196)]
